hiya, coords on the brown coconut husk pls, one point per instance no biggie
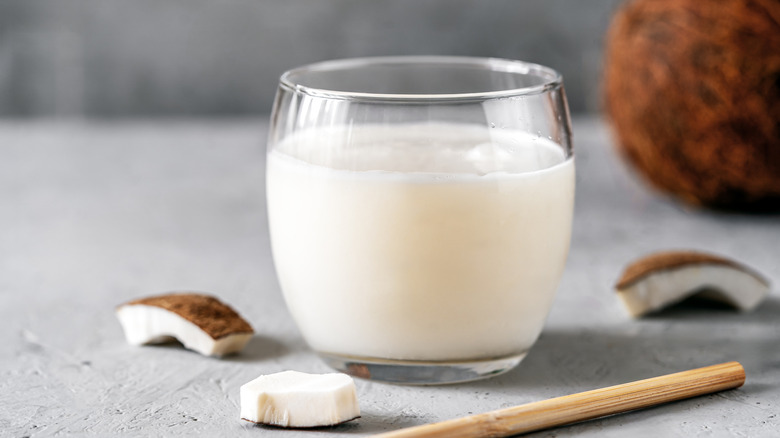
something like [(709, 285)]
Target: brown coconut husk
[(692, 89), (210, 314)]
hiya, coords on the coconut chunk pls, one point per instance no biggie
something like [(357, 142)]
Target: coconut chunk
[(664, 278), (200, 322), (299, 400)]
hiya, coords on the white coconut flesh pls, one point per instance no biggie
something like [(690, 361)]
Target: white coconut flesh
[(145, 324), (299, 400), (730, 284)]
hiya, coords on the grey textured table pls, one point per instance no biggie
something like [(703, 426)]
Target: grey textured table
[(94, 214)]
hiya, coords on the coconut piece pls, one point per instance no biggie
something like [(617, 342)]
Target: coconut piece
[(698, 116), (660, 279), (200, 322), (299, 400)]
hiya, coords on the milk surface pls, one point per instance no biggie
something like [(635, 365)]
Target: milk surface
[(421, 241)]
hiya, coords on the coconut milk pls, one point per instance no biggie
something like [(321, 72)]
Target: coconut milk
[(425, 242)]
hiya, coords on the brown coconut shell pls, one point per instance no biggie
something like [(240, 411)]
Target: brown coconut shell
[(210, 314), (692, 89)]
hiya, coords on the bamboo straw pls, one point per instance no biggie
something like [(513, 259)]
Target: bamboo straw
[(584, 405)]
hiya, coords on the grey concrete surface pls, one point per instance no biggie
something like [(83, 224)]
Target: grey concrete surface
[(94, 214), (113, 58)]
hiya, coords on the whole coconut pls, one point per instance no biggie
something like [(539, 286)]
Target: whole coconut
[(692, 89)]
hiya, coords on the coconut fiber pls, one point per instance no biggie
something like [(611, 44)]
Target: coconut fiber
[(692, 89)]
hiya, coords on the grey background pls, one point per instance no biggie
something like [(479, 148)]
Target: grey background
[(97, 213), (122, 58)]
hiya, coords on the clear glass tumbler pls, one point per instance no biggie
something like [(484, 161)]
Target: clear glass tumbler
[(420, 211)]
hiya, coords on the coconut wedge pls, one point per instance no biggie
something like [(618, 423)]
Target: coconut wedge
[(200, 322), (299, 400), (664, 278)]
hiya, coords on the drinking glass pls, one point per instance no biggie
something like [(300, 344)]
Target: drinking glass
[(420, 211)]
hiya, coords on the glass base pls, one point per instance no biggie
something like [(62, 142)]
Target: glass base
[(420, 372)]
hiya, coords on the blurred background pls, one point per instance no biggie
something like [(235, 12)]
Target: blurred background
[(181, 58)]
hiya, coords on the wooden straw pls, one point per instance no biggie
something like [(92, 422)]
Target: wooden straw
[(584, 405)]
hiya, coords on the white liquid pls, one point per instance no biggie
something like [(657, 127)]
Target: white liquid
[(419, 242)]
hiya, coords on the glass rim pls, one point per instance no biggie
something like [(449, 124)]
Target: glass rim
[(552, 79)]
